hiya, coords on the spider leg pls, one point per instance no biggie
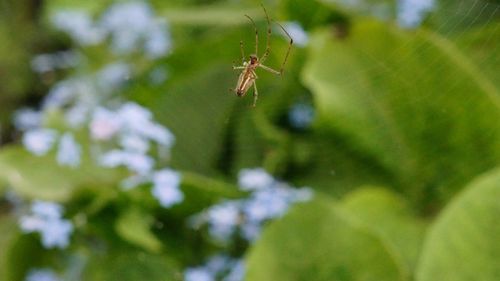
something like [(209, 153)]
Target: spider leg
[(239, 67), (289, 47), (267, 68), (242, 52), (268, 46), (256, 35), (255, 94)]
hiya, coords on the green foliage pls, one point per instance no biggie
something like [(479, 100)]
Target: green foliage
[(463, 243), (321, 241), (365, 91), (406, 125)]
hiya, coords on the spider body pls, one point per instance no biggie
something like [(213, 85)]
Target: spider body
[(248, 76)]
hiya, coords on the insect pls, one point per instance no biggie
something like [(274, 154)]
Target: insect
[(248, 76)]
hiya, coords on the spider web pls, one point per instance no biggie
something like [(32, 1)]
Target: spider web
[(256, 137)]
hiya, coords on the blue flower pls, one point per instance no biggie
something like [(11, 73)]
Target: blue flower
[(223, 219), (69, 151), (411, 12), (301, 115), (134, 161), (114, 75), (253, 179), (44, 274), (237, 271), (46, 219), (39, 141), (299, 35), (166, 187), (79, 25), (198, 274), (217, 266), (132, 25), (27, 119)]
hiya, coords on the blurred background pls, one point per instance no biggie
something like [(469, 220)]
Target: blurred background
[(125, 153)]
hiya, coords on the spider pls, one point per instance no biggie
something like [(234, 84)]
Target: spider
[(248, 76)]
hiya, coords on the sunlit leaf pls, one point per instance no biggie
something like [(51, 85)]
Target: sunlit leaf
[(320, 241), (463, 244), (390, 216)]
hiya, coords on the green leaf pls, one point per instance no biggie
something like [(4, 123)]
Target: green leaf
[(390, 216), (8, 229), (319, 241), (463, 244), (480, 44), (129, 265), (20, 247), (452, 17), (134, 225), (411, 101), (44, 178)]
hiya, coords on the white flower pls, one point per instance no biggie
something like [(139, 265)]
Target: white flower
[(39, 141), (223, 219), (136, 162), (79, 25), (298, 34), (60, 94), (105, 124), (411, 12), (44, 274), (46, 219), (198, 274), (253, 179), (69, 151), (301, 115), (166, 187), (26, 119)]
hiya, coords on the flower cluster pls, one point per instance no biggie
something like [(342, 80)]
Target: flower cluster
[(218, 267), (46, 219), (131, 26), (268, 199), (99, 125)]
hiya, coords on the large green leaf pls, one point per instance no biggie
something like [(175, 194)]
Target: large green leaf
[(481, 45), (412, 101), (319, 241), (389, 215), (464, 242), (44, 178)]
